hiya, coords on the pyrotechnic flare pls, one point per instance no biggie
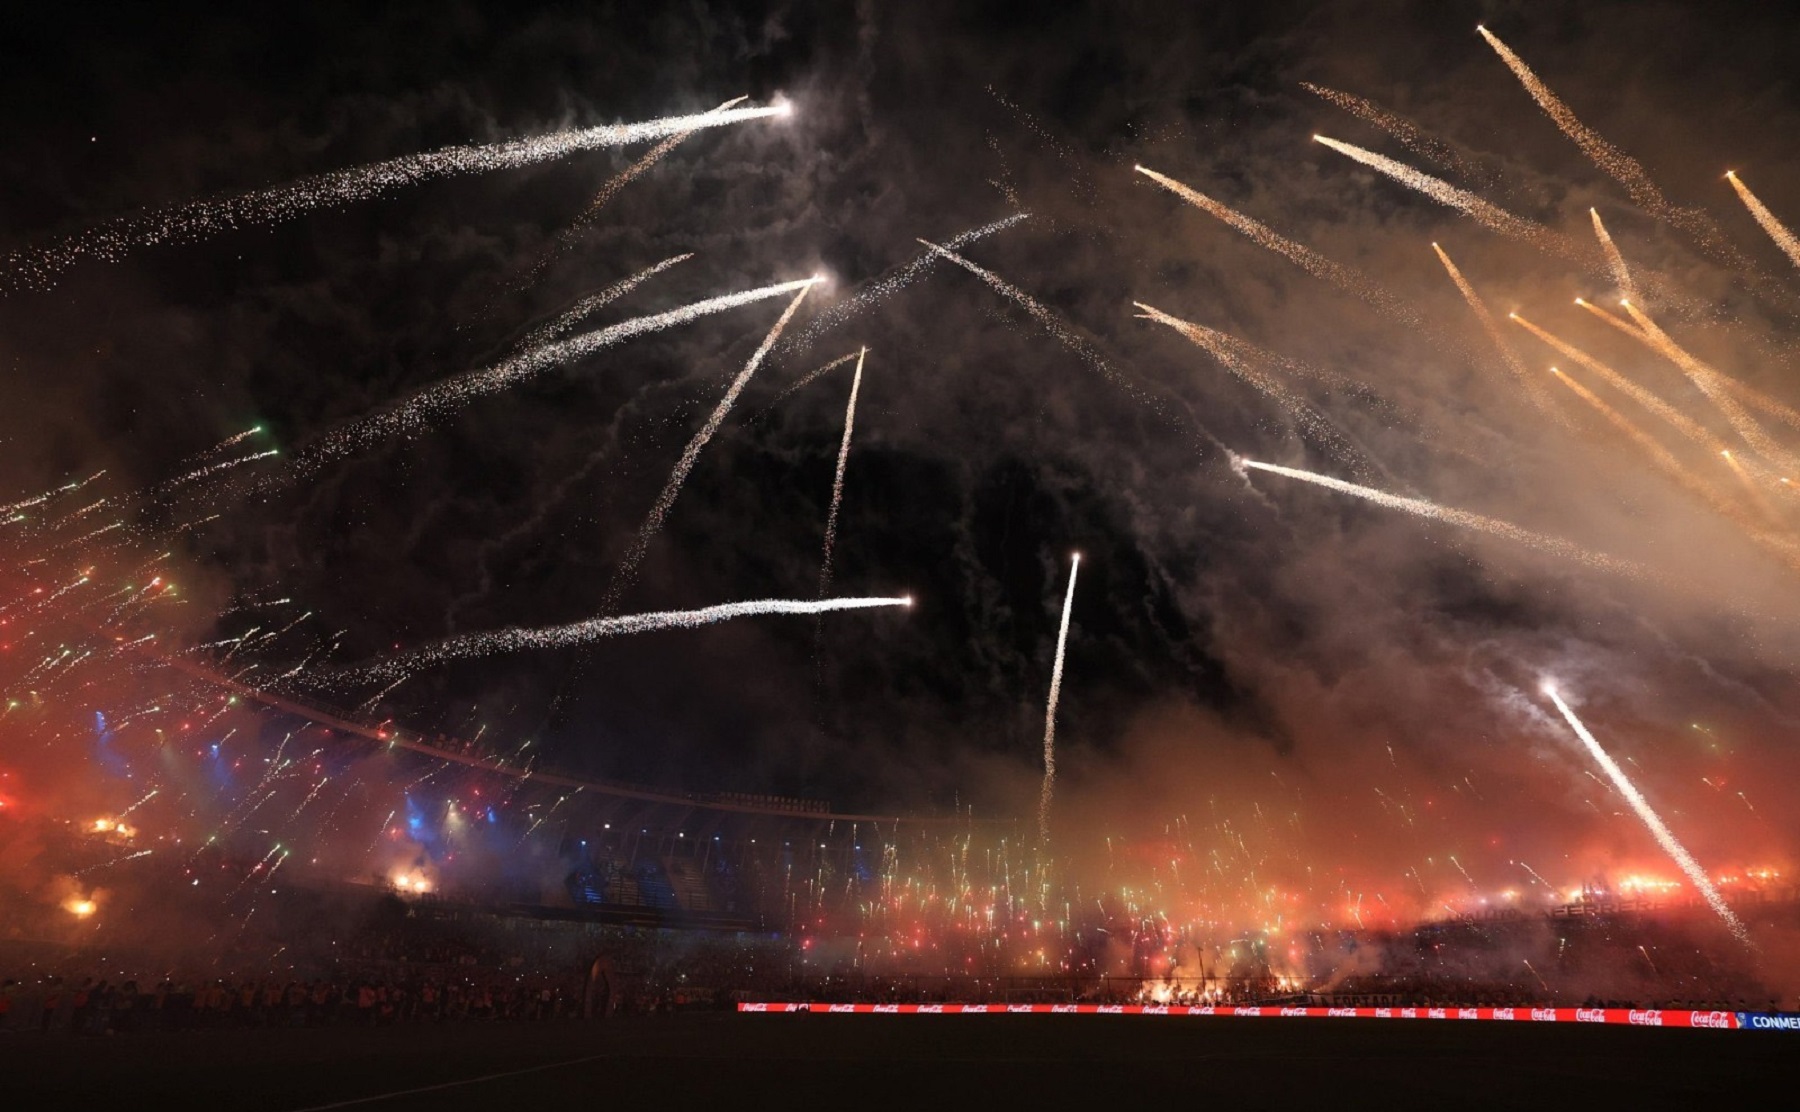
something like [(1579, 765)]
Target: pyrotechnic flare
[(889, 285), (1533, 389), (1711, 384), (689, 456), (1409, 134), (1614, 261), (582, 309), (1488, 215), (209, 470), (1651, 819), (1350, 281), (1555, 546), (1056, 676), (837, 484), (1778, 232), (1624, 169), (1231, 354), (1782, 412), (437, 401), (595, 629), (38, 267)]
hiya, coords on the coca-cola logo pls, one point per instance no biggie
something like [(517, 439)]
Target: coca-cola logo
[(1019, 1008), (1199, 1009), (1544, 1015), (841, 1008), (1468, 1013), (1293, 1011), (1436, 1013), (1645, 1018), (1110, 1009), (974, 1009), (891, 1009), (1340, 1011), (930, 1009), (1246, 1011), (1065, 1007), (1156, 1009), (796, 1007), (1590, 1015), (1384, 1013), (754, 1007), (1709, 1019), (1503, 1013), (1409, 1013)]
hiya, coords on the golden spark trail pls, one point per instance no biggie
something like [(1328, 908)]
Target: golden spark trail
[(1709, 381), (1782, 412), (594, 629), (691, 454), (1624, 169), (816, 373), (1665, 460), (1686, 425), (1488, 215), (38, 267), (439, 400), (1533, 389), (1315, 264), (1419, 507), (1614, 261), (1651, 819), (837, 483), (1231, 354), (1778, 232), (1056, 678)]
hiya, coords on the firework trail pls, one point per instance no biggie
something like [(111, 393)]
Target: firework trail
[(1781, 411), (208, 471), (1231, 353), (611, 188), (595, 629), (1555, 546), (1533, 389), (1414, 139), (1710, 383), (37, 267), (1669, 465), (1688, 427), (837, 483), (815, 374), (1621, 167), (1056, 676), (1651, 819), (889, 285), (1488, 215), (1778, 232), (1350, 281), (691, 454), (582, 309), (439, 400), (1614, 261)]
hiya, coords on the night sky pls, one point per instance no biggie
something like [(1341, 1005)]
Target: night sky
[(1258, 639)]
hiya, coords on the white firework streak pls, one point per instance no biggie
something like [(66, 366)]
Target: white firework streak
[(38, 267), (578, 312), (1778, 231), (1488, 215), (1056, 676), (436, 401), (1555, 546), (1410, 135), (1344, 278), (1234, 358), (1526, 380), (1624, 169), (595, 629), (889, 285), (837, 484), (1651, 819), (691, 454), (815, 374), (209, 470)]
